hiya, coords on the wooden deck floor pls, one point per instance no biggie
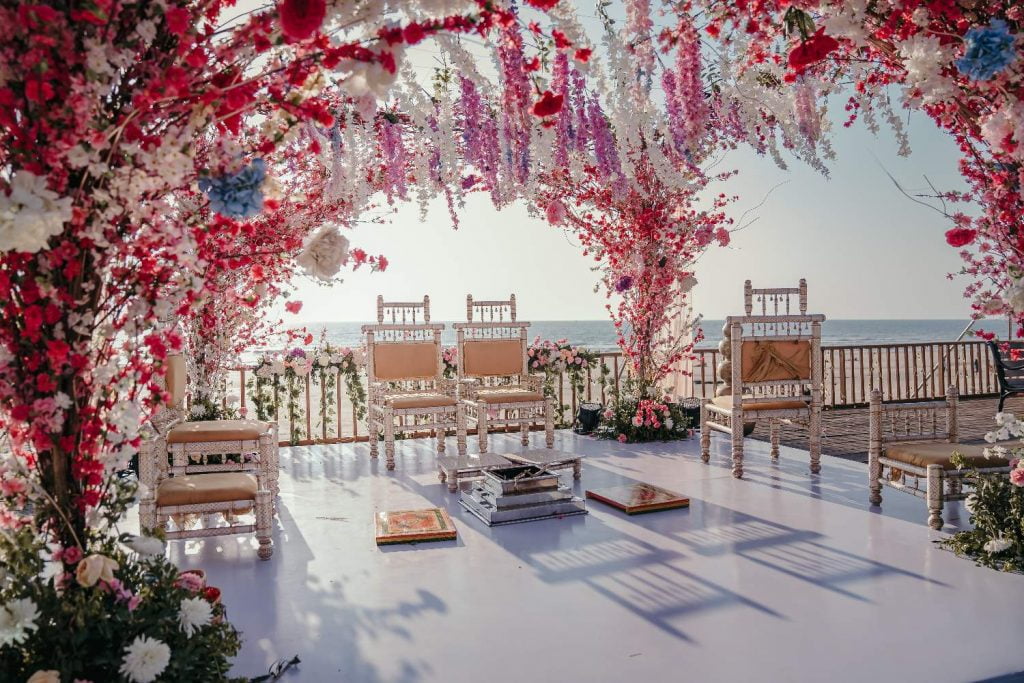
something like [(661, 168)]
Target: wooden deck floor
[(846, 430)]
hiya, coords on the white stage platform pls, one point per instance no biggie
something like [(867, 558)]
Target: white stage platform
[(779, 577)]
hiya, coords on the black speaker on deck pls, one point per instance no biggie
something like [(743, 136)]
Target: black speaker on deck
[(588, 415)]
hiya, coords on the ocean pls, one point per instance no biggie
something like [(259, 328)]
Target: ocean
[(599, 335)]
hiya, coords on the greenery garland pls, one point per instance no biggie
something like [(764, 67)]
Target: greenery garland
[(278, 381)]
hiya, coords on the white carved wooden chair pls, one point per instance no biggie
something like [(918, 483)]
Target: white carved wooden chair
[(773, 372), (405, 372), (494, 379), (180, 479), (914, 442)]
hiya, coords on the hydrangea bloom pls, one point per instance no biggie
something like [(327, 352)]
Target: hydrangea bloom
[(236, 195), (324, 253), (990, 49)]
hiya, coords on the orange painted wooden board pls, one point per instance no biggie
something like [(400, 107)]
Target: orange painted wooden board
[(414, 526), (636, 498)]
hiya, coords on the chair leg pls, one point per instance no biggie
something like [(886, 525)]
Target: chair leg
[(874, 477), (524, 434), (774, 429), (374, 428), (440, 433), (705, 433), (264, 515), (1002, 399), (389, 438), (737, 444), (460, 428), (481, 427), (815, 439), (935, 496), (549, 425)]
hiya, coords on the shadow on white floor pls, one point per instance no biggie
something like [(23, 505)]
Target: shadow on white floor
[(781, 576)]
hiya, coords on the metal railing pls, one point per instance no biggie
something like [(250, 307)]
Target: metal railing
[(903, 372)]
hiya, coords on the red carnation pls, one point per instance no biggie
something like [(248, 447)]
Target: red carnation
[(960, 237), (549, 104), (293, 306), (300, 19), (542, 4), (582, 55), (812, 50)]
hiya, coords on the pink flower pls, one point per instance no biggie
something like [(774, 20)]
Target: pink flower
[(637, 421), (555, 212), (71, 555), (622, 438), (609, 414), (300, 19), (1017, 477)]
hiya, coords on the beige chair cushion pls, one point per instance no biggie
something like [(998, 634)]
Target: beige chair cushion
[(176, 379), (794, 404), (766, 361), (932, 453), (492, 357), (214, 487), (405, 360), (514, 395), (400, 401), (216, 430)]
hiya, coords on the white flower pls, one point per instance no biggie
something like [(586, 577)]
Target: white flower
[(17, 618), (1004, 418), (196, 409), (669, 423), (997, 545), (146, 545), (971, 502), (924, 57), (145, 659), (323, 360), (193, 614), (263, 371), (31, 214), (324, 253), (277, 367)]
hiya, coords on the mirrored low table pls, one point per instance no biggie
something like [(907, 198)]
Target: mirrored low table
[(453, 469), (549, 459)]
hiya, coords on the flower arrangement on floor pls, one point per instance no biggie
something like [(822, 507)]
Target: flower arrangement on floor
[(450, 358), (631, 418), (134, 617), (278, 382), (551, 359), (996, 506)]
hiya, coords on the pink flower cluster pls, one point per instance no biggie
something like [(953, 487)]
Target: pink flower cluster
[(650, 413), (555, 355)]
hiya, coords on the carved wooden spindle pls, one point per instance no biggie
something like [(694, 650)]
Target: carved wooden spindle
[(725, 364)]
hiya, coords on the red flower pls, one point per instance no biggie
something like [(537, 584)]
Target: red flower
[(812, 50), (300, 19), (45, 383), (542, 4), (561, 40), (293, 306), (414, 33), (548, 104), (582, 55), (178, 21), (960, 237)]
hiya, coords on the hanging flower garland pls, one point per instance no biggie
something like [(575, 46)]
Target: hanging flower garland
[(279, 383)]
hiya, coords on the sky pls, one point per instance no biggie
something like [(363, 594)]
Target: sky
[(866, 250)]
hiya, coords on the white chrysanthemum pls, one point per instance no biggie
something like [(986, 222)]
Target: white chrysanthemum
[(193, 614), (924, 57), (145, 659), (146, 545), (31, 214), (971, 502), (324, 253), (997, 545), (17, 618)]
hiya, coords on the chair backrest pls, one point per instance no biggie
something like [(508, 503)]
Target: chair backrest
[(404, 345), (492, 343), (775, 300), (776, 356), (176, 380), (912, 421), (1010, 373)]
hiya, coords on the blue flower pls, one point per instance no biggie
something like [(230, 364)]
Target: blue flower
[(238, 195), (990, 49)]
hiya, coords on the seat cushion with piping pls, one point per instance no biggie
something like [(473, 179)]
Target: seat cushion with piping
[(212, 487), (923, 454), (747, 406), (403, 401), (216, 430), (512, 395)]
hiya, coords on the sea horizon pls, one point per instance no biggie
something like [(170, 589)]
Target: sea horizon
[(599, 335)]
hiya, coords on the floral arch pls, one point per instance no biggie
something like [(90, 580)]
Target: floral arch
[(182, 160)]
